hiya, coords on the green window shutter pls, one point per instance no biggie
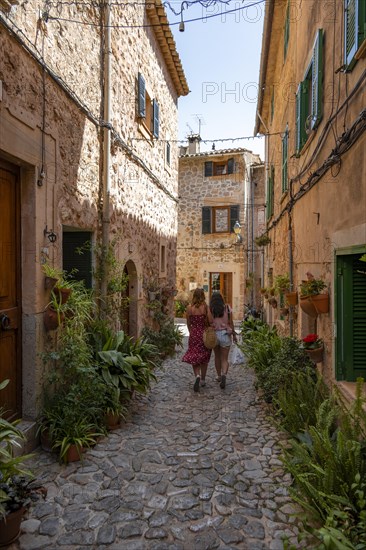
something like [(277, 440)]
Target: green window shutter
[(301, 114), (285, 162), (272, 104), (317, 80), (359, 317), (155, 118), (230, 166), (206, 219), (270, 193), (234, 215), (79, 265), (286, 33), (141, 96), (208, 169), (350, 30)]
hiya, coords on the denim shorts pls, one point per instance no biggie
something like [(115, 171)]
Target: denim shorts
[(223, 338)]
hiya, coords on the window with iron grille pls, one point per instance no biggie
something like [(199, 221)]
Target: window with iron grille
[(219, 219)]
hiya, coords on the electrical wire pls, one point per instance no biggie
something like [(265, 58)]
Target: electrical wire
[(48, 17)]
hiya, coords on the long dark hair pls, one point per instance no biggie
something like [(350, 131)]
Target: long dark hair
[(217, 305)]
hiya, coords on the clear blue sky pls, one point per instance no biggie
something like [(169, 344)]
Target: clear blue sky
[(220, 57)]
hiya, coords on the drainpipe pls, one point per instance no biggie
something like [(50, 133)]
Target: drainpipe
[(252, 235), (106, 178), (291, 274)]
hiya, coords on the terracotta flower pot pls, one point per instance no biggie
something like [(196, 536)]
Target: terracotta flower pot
[(113, 421), (51, 318), (291, 298), (321, 303), (307, 306), (284, 310), (50, 282), (46, 442), (10, 527), (316, 355), (74, 453), (273, 302), (62, 294)]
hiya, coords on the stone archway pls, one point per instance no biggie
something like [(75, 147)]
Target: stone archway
[(131, 317)]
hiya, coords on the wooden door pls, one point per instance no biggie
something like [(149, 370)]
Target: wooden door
[(222, 282), (10, 311)]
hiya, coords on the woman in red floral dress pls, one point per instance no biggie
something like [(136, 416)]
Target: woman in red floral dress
[(197, 354)]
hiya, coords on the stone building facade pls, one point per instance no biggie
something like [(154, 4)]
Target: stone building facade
[(311, 106), (77, 166), (213, 189)]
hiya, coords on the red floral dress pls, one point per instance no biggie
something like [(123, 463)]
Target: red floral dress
[(197, 353)]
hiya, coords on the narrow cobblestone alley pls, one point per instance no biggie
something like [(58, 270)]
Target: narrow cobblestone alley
[(186, 471)]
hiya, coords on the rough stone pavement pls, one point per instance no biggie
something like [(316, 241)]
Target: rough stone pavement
[(187, 470)]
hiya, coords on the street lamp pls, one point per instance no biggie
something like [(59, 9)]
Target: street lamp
[(237, 231)]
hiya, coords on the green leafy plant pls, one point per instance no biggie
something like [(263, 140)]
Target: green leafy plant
[(262, 240), (180, 308), (282, 283), (79, 432), (312, 287)]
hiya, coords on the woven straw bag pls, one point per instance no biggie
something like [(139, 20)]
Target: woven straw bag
[(209, 338)]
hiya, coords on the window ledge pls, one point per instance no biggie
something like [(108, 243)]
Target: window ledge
[(283, 196), (361, 52), (308, 141)]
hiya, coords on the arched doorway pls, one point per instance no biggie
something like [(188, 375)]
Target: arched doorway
[(130, 323)]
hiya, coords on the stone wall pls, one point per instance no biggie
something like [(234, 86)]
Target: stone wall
[(66, 101), (200, 254)]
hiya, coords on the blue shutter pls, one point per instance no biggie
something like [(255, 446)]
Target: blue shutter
[(234, 215), (155, 118), (230, 167), (141, 96), (206, 219), (317, 80), (208, 169)]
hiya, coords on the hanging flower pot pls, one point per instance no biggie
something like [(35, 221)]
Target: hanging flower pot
[(321, 303), (50, 282), (52, 318), (316, 355), (284, 310), (291, 298), (10, 527), (62, 294), (307, 306), (273, 302)]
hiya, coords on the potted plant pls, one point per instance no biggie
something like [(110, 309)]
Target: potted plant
[(16, 489), (262, 240), (52, 275), (283, 285), (74, 437), (312, 300), (263, 290), (153, 289), (314, 347), (114, 410)]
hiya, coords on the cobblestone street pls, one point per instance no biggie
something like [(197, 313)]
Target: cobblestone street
[(185, 471)]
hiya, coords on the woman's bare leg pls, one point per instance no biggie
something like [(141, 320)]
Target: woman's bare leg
[(217, 352)]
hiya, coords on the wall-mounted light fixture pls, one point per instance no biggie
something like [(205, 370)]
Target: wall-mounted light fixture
[(51, 235)]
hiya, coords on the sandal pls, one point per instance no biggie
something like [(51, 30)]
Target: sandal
[(203, 382), (196, 386), (223, 381), (218, 378)]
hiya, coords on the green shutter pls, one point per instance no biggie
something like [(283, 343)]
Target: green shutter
[(141, 96), (230, 166), (301, 114), (270, 193), (234, 215), (206, 219), (351, 318), (208, 169), (272, 104), (286, 33), (317, 80), (350, 30), (74, 263), (155, 118), (285, 162)]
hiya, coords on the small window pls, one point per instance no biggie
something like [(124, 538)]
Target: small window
[(77, 255), (219, 219), (167, 153), (163, 259), (220, 168), (354, 29), (148, 108)]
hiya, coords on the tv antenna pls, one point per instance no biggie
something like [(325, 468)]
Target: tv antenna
[(201, 121), (189, 128)]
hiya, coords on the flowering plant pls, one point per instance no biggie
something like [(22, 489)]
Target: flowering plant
[(312, 341)]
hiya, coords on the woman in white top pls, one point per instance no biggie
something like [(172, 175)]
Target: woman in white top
[(220, 317)]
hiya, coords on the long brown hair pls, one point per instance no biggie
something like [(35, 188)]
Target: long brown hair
[(217, 305), (198, 297)]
